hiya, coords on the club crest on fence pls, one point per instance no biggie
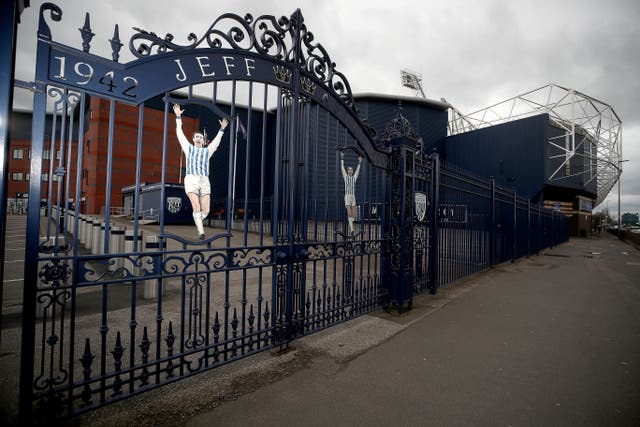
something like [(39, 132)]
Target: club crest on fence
[(174, 204)]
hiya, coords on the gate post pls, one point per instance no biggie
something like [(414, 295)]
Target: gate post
[(434, 224), (291, 253), (538, 240), (29, 294), (9, 19), (399, 277)]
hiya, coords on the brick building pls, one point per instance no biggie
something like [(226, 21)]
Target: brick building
[(95, 155)]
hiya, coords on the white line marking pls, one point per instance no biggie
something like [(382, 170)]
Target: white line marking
[(15, 260), (16, 249), (634, 263), (13, 280)]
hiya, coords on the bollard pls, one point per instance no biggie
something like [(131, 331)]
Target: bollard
[(88, 232), (82, 223), (127, 263), (116, 246), (69, 217), (152, 244), (103, 235), (95, 236)]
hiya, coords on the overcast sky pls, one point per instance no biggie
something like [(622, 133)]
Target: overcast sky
[(472, 53)]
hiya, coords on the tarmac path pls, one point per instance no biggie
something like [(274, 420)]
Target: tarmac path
[(552, 340)]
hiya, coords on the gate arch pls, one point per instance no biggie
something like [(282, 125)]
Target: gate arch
[(109, 314)]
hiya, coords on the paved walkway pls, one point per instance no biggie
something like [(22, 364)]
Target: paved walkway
[(552, 340)]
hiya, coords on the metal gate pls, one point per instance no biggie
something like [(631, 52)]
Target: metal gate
[(119, 300), (311, 221)]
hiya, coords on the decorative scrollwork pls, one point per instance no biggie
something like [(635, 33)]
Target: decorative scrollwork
[(63, 99), (48, 298), (320, 251), (251, 257), (133, 267), (266, 35), (348, 249), (54, 244), (55, 273), (56, 15), (399, 127), (372, 247), (217, 261)]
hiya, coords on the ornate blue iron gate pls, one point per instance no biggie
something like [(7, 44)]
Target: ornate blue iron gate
[(114, 306)]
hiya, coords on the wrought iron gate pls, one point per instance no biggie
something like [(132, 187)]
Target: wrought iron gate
[(117, 300)]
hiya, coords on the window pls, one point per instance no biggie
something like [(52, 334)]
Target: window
[(58, 155), (26, 176), (45, 154), (16, 176), (45, 177), (18, 153)]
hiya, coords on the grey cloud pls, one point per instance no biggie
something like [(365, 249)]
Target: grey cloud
[(472, 53)]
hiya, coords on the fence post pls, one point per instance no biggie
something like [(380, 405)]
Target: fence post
[(539, 232), (492, 226), (553, 229), (515, 227), (434, 226), (528, 227)]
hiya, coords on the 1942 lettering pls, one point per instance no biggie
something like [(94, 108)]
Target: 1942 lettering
[(84, 74)]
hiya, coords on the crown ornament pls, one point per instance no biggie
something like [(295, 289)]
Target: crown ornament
[(283, 74)]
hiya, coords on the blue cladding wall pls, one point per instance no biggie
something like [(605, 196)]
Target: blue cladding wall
[(513, 153), (429, 119)]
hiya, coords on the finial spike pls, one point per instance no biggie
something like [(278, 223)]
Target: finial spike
[(116, 45), (86, 33)]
